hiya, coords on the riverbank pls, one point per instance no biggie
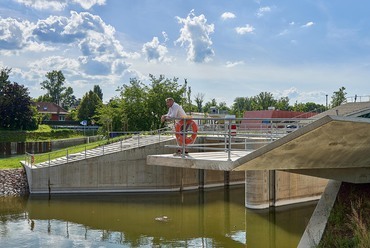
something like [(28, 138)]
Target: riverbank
[(348, 224), (13, 182)]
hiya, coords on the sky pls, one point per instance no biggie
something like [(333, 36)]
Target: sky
[(304, 50)]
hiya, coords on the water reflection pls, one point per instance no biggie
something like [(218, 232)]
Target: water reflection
[(212, 218)]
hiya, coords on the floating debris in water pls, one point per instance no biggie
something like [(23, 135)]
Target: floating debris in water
[(163, 218)]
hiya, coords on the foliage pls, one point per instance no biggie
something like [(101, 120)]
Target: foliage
[(68, 99), (88, 107), (54, 85), (44, 132), (283, 104), (56, 92), (242, 104), (143, 106), (4, 76), (264, 100), (97, 90), (348, 225), (199, 99), (309, 107), (338, 97), (16, 108), (110, 116)]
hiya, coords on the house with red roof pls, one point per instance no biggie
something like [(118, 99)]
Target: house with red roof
[(56, 112)]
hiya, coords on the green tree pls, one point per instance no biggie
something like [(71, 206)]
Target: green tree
[(87, 109), (264, 100), (4, 76), (242, 104), (68, 99), (338, 97), (208, 105), (283, 104), (110, 116), (134, 104), (97, 90), (16, 108), (199, 99), (160, 89), (143, 105), (54, 85)]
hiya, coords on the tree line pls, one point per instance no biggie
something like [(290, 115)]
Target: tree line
[(137, 107)]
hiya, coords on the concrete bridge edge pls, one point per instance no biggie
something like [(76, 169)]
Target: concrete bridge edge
[(316, 226)]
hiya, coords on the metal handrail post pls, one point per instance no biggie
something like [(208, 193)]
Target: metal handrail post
[(85, 152), (229, 148), (138, 139), (183, 138), (67, 155)]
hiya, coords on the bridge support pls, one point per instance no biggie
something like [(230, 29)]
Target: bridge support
[(272, 188)]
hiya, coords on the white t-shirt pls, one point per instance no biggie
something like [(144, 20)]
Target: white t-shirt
[(175, 111)]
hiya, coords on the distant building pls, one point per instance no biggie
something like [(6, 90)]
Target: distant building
[(56, 112)]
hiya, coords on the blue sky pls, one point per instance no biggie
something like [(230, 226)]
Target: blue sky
[(225, 49)]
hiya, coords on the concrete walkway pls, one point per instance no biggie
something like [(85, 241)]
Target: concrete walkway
[(134, 142)]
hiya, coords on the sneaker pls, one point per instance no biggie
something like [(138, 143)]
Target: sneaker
[(178, 153)]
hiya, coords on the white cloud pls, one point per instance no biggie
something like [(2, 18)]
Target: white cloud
[(165, 36), (154, 51), (308, 24), (244, 30), (101, 51), (261, 11), (14, 34), (88, 4), (228, 15), (196, 34), (59, 5), (230, 64), (296, 95)]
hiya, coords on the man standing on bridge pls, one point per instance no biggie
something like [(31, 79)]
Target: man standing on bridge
[(174, 111)]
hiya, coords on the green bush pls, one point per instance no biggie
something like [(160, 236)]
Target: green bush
[(21, 136)]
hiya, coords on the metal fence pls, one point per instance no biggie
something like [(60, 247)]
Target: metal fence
[(231, 134)]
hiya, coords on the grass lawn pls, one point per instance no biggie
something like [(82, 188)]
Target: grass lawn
[(14, 162)]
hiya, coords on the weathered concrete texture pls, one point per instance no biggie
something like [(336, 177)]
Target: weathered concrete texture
[(328, 143), (316, 226), (13, 182), (124, 171), (277, 188)]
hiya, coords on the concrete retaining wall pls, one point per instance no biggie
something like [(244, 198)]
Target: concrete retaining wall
[(124, 171)]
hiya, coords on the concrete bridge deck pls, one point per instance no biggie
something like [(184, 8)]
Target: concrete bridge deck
[(331, 142)]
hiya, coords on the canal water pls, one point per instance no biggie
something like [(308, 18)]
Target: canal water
[(208, 218)]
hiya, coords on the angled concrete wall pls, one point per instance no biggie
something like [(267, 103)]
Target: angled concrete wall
[(124, 171)]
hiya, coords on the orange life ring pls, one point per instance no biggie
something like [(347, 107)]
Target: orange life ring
[(179, 128)]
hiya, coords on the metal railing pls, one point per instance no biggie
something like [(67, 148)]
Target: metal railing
[(234, 133), (125, 141)]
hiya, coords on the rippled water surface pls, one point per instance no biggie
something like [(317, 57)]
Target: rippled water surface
[(210, 218)]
